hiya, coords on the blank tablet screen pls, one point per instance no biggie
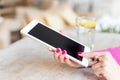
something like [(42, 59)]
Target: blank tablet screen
[(56, 40)]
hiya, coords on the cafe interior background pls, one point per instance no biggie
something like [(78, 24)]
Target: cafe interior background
[(60, 14)]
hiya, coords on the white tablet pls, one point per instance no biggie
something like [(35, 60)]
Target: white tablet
[(52, 38)]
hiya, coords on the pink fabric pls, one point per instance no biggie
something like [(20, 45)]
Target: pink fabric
[(115, 52)]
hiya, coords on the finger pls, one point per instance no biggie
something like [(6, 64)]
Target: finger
[(62, 56), (98, 72), (94, 56), (72, 63), (90, 55), (92, 62), (62, 32), (91, 59), (68, 62), (98, 69), (51, 50), (100, 59), (56, 56), (57, 53), (97, 65)]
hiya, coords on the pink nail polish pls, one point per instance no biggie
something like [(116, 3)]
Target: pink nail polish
[(57, 50), (65, 58), (63, 52), (79, 53)]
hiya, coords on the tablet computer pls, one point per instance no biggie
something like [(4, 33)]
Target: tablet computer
[(54, 39)]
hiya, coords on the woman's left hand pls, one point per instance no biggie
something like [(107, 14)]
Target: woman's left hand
[(104, 65)]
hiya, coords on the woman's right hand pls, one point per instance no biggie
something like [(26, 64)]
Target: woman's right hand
[(60, 55), (103, 65)]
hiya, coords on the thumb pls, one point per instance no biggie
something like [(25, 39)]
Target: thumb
[(87, 54), (62, 32)]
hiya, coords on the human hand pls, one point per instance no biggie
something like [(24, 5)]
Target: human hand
[(60, 55), (103, 65)]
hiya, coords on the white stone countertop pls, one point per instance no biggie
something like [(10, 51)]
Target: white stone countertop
[(28, 59)]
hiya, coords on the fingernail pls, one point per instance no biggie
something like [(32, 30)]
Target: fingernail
[(65, 58), (79, 53), (64, 52), (57, 50)]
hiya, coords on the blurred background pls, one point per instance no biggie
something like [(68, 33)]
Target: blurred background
[(60, 14)]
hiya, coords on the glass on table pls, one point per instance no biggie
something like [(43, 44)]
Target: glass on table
[(86, 31)]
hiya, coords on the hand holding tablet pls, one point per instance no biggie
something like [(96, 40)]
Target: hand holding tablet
[(53, 39)]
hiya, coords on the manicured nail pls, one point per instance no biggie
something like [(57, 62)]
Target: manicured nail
[(58, 50), (79, 53), (65, 58), (64, 52)]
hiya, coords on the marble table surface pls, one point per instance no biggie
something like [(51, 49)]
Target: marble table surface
[(28, 59)]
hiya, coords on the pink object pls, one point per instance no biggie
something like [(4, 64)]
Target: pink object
[(115, 52), (79, 53), (57, 50), (63, 52), (65, 58)]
